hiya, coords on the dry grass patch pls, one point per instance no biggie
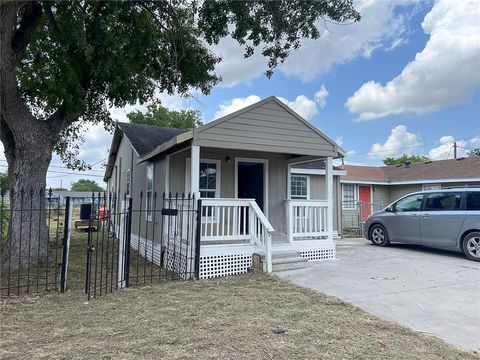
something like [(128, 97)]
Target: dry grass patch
[(230, 318)]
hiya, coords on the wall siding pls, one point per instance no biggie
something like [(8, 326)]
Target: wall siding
[(268, 127)]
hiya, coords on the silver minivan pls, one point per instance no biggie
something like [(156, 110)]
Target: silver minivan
[(446, 219)]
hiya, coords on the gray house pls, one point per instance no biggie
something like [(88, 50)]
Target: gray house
[(368, 188), (245, 162)]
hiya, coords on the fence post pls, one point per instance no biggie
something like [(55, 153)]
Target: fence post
[(124, 248), (197, 238), (66, 244)]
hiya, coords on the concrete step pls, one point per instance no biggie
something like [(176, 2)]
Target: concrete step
[(289, 260), (289, 266)]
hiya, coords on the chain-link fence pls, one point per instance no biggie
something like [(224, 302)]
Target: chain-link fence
[(354, 215)]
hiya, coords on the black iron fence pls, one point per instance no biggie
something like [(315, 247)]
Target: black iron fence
[(117, 242), (33, 239), (143, 240)]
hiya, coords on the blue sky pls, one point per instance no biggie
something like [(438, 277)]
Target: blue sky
[(406, 79)]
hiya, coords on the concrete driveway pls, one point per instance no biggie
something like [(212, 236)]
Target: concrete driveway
[(432, 291)]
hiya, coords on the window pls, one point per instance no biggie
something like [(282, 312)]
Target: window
[(443, 201), (300, 187), (410, 203), (473, 200), (348, 196), (129, 180), (431, 186), (149, 192), (208, 179)]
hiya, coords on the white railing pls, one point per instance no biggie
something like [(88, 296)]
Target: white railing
[(307, 218), (233, 221)]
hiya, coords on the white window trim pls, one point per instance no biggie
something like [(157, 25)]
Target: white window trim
[(431, 186), (188, 170), (129, 183), (147, 216), (308, 187), (355, 197)]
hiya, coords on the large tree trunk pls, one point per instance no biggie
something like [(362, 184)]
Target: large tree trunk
[(28, 146), (27, 238)]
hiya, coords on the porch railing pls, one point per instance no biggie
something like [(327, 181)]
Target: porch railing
[(231, 221), (307, 218)]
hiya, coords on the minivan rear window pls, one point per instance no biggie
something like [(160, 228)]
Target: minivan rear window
[(473, 200), (443, 201)]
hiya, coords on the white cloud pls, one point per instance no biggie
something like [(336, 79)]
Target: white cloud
[(446, 72), (381, 28), (302, 105), (339, 141), (321, 96), (445, 149), (400, 141), (231, 106)]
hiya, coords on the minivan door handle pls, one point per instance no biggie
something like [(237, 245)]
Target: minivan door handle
[(425, 215)]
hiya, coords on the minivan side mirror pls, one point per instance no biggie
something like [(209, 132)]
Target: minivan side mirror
[(390, 208)]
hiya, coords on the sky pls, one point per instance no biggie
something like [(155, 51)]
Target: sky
[(405, 79)]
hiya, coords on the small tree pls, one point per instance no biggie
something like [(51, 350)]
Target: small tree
[(160, 116), (474, 152), (86, 185), (404, 158)]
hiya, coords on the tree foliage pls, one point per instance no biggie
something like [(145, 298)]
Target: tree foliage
[(473, 152), (74, 59), (160, 116), (4, 183), (86, 185), (405, 158)]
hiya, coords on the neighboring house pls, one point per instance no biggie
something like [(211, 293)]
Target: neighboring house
[(77, 197), (247, 159), (369, 188)]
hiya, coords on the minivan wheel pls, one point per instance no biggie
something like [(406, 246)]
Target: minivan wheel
[(471, 246), (379, 235)]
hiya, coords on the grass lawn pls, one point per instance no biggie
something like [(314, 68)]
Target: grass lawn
[(229, 318)]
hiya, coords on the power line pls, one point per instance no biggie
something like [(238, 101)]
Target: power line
[(80, 173), (64, 167)]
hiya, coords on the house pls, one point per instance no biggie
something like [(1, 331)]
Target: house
[(368, 188), (244, 167), (76, 197)]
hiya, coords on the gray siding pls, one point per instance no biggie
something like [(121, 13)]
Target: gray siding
[(397, 191), (268, 127), (380, 196), (318, 192)]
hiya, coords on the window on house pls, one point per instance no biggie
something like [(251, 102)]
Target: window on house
[(348, 200), (431, 186), (149, 192), (209, 182), (299, 187), (129, 181)]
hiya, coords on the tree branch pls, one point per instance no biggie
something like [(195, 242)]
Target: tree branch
[(30, 19)]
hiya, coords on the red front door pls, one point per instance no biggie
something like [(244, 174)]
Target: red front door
[(365, 195)]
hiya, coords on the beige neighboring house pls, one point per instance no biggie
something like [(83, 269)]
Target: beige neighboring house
[(245, 162), (369, 188)]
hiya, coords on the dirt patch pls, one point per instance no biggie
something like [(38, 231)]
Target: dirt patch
[(251, 316)]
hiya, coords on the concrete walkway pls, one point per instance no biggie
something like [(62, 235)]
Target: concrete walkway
[(432, 291)]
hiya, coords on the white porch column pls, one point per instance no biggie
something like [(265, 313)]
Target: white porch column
[(329, 192), (195, 171), (288, 208)]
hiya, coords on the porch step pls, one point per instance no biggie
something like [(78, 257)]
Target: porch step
[(287, 260), (289, 266)]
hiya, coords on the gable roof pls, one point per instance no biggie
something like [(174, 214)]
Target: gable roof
[(144, 138), (284, 107), (444, 170)]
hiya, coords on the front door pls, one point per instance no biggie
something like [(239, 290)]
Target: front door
[(250, 182), (365, 197)]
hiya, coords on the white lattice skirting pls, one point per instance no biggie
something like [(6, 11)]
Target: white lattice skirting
[(315, 253), (224, 262)]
